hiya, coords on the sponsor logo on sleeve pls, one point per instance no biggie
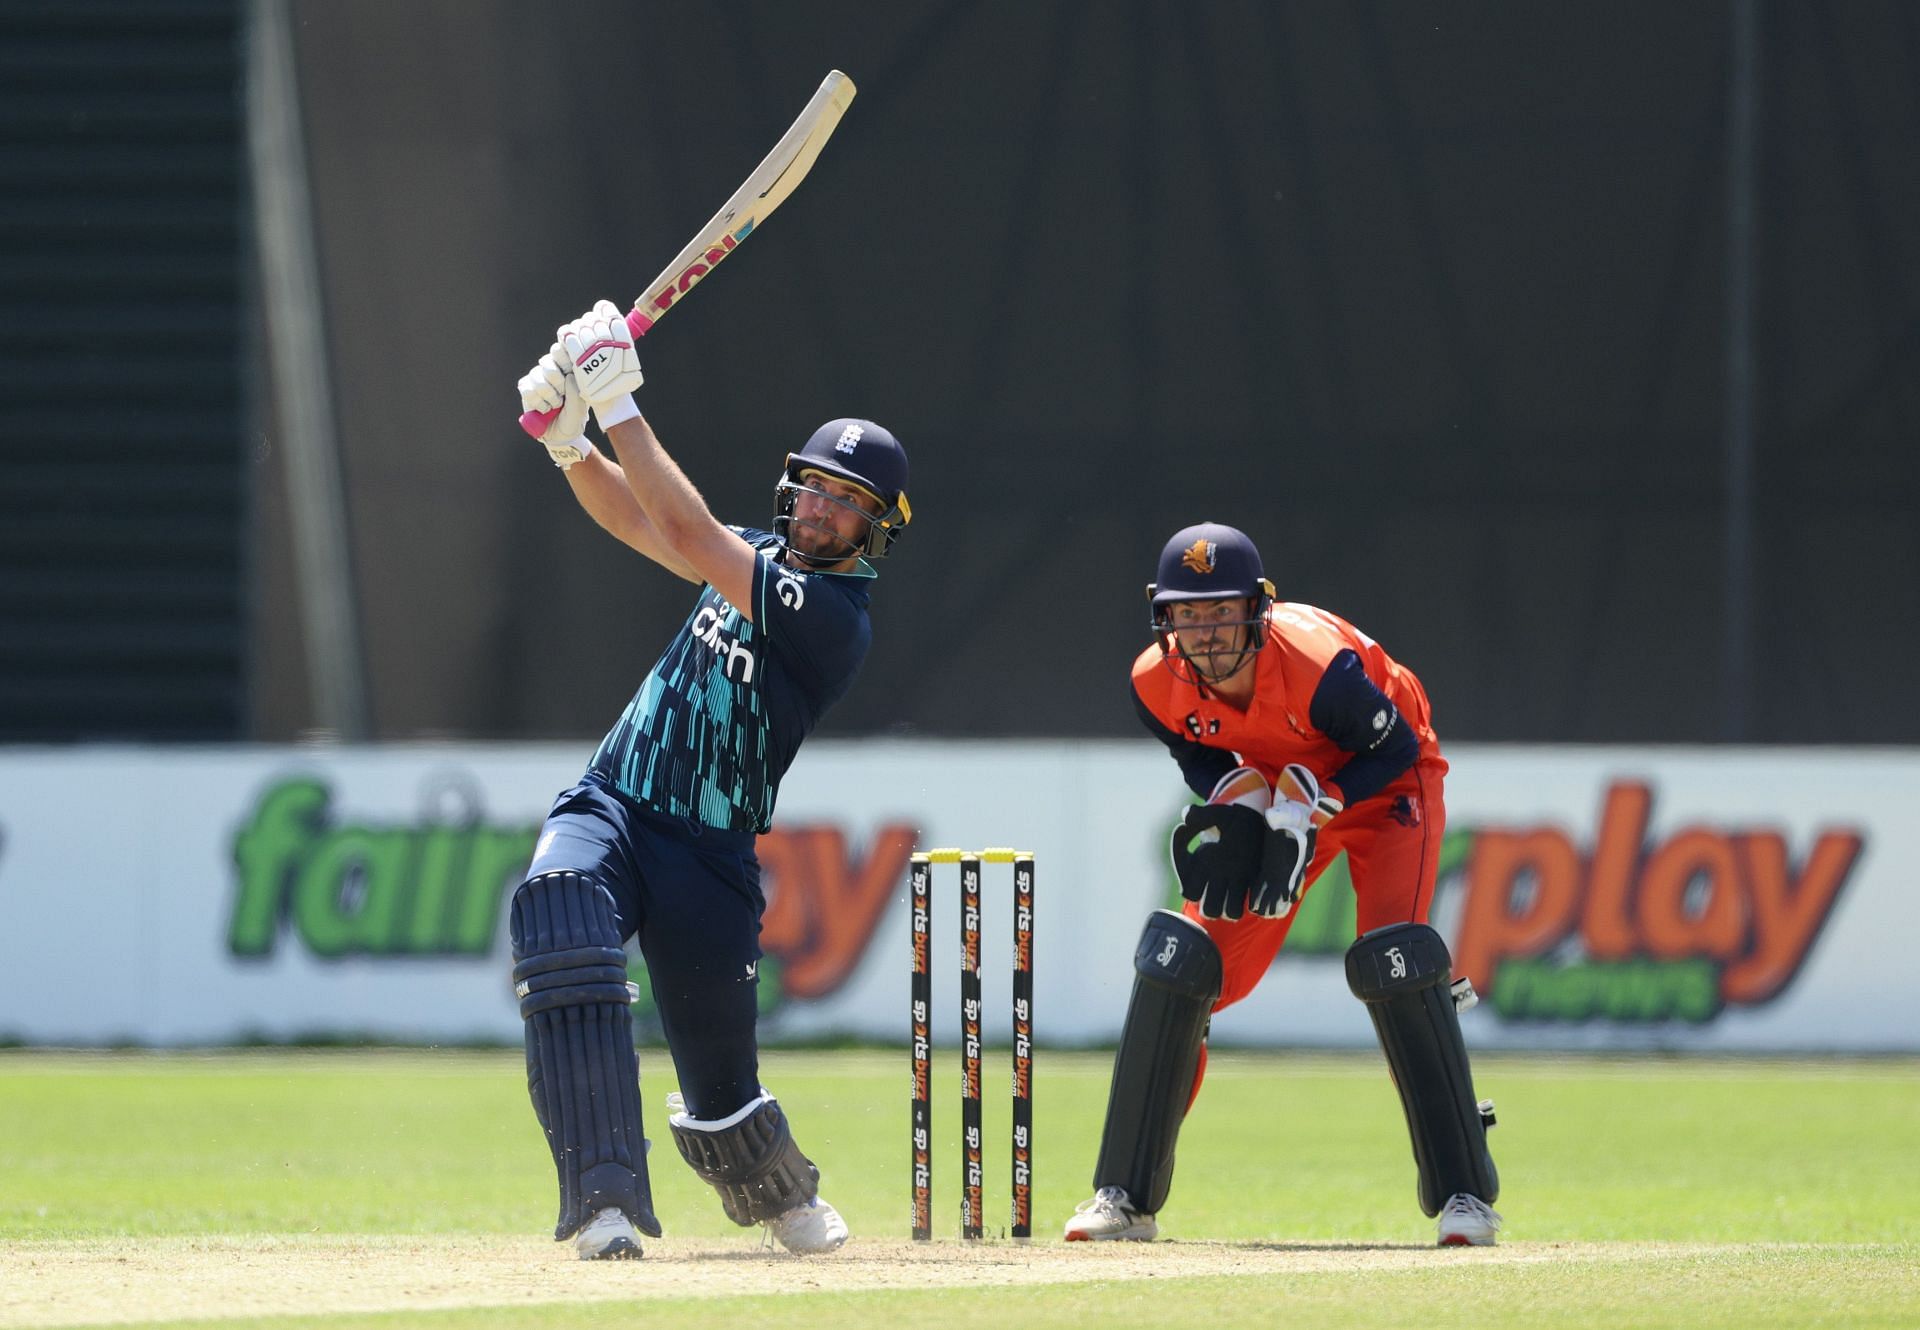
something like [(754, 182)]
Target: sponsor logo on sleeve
[(1385, 721)]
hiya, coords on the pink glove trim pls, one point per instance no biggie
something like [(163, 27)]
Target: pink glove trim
[(614, 342)]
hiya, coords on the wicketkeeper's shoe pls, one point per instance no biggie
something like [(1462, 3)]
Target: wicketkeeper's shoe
[(608, 1236), (810, 1229), (1467, 1221), (1110, 1217)]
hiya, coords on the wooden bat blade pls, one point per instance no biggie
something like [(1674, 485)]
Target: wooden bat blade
[(766, 189)]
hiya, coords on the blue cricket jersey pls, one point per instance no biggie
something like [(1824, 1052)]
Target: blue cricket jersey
[(717, 722)]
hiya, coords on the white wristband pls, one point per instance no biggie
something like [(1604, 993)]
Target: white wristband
[(616, 411)]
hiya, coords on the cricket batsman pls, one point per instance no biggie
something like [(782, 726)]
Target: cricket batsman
[(1306, 739), (656, 841)]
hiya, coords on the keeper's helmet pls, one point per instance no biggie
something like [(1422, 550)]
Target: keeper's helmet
[(1209, 562), (860, 453)]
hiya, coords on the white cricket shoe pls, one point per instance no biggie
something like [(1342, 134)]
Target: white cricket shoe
[(1110, 1217), (810, 1229), (608, 1236), (1467, 1221)]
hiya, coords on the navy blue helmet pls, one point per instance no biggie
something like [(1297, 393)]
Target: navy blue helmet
[(1210, 561), (860, 453)]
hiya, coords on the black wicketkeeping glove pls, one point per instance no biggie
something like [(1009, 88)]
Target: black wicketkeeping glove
[(1217, 851), (1289, 835)]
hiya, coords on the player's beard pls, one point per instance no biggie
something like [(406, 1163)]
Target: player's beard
[(818, 545), (1221, 659)]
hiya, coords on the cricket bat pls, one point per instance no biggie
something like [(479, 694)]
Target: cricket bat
[(766, 189)]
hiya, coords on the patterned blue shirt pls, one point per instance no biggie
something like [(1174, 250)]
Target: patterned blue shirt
[(716, 724)]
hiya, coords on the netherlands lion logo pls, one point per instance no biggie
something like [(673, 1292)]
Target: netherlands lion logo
[(1200, 555)]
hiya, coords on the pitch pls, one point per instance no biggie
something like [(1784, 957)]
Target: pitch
[(402, 1188)]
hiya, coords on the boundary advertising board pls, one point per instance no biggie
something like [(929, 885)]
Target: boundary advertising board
[(1683, 899)]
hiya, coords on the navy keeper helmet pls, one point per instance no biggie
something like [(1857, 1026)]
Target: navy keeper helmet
[(860, 453), (1209, 561)]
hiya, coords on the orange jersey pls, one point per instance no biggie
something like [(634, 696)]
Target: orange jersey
[(1325, 695)]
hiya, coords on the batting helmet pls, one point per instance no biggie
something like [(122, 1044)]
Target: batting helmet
[(860, 453), (1209, 562)]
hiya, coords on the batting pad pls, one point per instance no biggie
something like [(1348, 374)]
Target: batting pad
[(570, 974), (749, 1158), (1404, 975), (1177, 974)]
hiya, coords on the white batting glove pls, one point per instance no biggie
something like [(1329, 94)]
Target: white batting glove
[(1293, 824), (547, 387), (1296, 784), (598, 348)]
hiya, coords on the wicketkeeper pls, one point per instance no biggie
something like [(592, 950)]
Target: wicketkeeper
[(656, 842), (1306, 740)]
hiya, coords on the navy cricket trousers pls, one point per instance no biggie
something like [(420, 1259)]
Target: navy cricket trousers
[(691, 896)]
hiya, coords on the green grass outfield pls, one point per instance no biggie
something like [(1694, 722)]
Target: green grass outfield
[(1644, 1191)]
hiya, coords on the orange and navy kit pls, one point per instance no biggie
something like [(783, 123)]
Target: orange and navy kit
[(1326, 696)]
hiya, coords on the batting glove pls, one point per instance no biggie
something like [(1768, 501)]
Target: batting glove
[(547, 387), (598, 348), (1298, 784), (1291, 832)]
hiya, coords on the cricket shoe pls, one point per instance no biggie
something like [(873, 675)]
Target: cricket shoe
[(1467, 1221), (608, 1236), (1110, 1217), (810, 1229)]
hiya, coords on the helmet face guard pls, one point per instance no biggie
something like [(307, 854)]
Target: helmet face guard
[(858, 453), (1205, 668), (882, 529), (1209, 562)]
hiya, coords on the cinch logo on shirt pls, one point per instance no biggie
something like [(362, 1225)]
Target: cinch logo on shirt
[(706, 628)]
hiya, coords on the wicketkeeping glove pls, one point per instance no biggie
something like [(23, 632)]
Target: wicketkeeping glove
[(1217, 852), (1288, 849)]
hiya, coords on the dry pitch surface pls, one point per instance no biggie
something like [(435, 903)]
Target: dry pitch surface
[(94, 1282)]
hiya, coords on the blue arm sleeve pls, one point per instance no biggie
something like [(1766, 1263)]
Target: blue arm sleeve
[(1201, 766), (1349, 709)]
